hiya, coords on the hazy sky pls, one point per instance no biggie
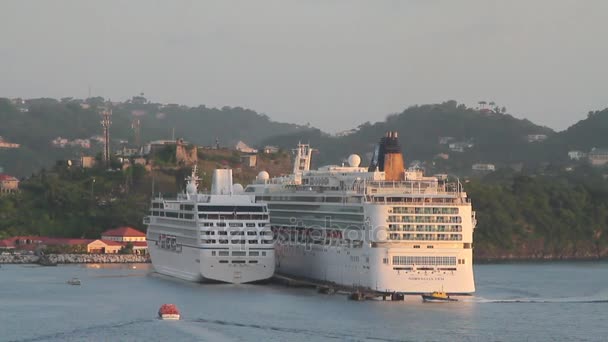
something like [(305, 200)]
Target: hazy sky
[(332, 63)]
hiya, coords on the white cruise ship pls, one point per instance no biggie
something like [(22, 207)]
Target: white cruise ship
[(379, 227), (222, 236)]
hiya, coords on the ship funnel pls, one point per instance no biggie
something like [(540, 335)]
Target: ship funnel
[(388, 158), (222, 182)]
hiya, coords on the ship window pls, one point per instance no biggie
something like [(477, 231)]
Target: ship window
[(230, 208), (186, 207), (222, 232), (207, 224), (171, 214), (238, 261), (237, 233), (253, 261), (385, 260), (416, 246), (221, 224), (253, 242), (239, 253), (250, 225), (188, 216), (430, 246), (223, 241), (263, 253), (212, 253), (235, 224), (223, 253), (223, 261), (256, 253), (261, 224)]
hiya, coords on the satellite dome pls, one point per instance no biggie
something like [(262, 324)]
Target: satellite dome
[(354, 160), (237, 188), (191, 189), (263, 175)]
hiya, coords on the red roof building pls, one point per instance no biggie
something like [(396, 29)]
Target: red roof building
[(123, 234)]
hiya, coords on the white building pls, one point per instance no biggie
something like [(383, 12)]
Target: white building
[(460, 146), (483, 167), (536, 137), (576, 155), (271, 149), (598, 156), (242, 147)]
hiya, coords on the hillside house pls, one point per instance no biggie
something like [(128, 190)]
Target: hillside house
[(8, 184), (576, 155), (270, 149), (598, 156), (242, 147), (536, 137), (483, 167)]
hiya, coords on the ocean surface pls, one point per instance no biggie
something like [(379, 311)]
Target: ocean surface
[(560, 301)]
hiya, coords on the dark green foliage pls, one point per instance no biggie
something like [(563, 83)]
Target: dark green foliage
[(47, 119), (531, 216), (498, 138), (75, 203)]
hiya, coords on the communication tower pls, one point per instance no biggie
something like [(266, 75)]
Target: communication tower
[(106, 121)]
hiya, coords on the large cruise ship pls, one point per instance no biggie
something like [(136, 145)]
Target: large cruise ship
[(380, 227), (222, 236)]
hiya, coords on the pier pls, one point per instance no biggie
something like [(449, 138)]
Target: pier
[(329, 288)]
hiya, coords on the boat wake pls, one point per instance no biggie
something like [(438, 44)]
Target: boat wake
[(573, 300), (82, 332), (314, 333)]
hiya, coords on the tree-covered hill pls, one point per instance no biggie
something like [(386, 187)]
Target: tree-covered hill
[(35, 123), (585, 134), (494, 137)]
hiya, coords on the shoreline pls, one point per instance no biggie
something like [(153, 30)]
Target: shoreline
[(55, 259)]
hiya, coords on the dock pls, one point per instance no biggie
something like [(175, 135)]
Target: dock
[(329, 288)]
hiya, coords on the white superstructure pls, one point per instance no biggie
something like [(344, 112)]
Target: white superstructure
[(222, 236), (381, 227)]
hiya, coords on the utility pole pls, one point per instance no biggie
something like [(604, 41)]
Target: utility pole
[(136, 126), (106, 121)]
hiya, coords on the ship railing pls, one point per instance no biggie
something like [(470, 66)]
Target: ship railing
[(408, 187)]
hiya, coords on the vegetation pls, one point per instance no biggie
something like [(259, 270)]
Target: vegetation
[(557, 215), (35, 123), (66, 202)]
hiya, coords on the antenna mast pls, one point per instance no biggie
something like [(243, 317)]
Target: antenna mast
[(136, 126), (106, 121)]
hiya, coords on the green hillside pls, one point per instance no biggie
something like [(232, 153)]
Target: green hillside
[(585, 134), (35, 123), (495, 138)]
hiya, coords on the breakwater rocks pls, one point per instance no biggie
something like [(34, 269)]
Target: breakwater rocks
[(54, 259)]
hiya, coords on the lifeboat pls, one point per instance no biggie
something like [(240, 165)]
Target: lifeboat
[(169, 312)]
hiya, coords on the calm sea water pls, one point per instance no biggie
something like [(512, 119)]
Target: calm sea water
[(514, 302)]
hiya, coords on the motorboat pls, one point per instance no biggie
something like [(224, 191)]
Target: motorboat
[(437, 297)]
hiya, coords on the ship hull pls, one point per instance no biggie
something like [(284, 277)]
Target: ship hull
[(198, 265), (350, 267)]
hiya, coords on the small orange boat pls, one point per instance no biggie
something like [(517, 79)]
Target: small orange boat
[(169, 312)]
